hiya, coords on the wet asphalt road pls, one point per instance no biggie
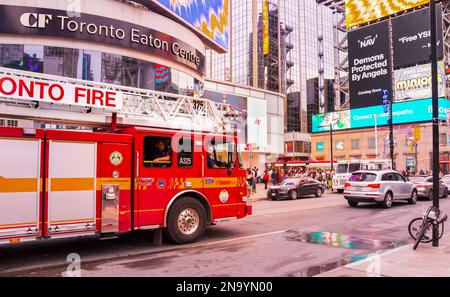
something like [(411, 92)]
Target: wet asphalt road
[(283, 238)]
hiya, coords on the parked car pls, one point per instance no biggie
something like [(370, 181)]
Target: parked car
[(383, 187), (446, 181), (424, 186), (293, 188)]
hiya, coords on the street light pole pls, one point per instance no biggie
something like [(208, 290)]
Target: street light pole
[(391, 135), (376, 135), (434, 85), (331, 146)]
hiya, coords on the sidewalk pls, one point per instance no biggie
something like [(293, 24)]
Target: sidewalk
[(401, 262), (260, 194)]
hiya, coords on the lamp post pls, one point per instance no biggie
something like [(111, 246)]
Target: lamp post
[(331, 147), (434, 86)]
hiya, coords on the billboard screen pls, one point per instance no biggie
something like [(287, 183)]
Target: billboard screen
[(415, 82), (369, 65), (411, 37), (403, 113), (209, 19), (358, 12)]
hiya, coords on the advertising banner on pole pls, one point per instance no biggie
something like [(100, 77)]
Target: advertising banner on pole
[(369, 65), (411, 37), (415, 82)]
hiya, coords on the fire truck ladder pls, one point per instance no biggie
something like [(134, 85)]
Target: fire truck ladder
[(140, 107)]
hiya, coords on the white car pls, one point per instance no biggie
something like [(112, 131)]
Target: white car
[(383, 187)]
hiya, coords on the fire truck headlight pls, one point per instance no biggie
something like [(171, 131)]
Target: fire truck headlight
[(244, 198)]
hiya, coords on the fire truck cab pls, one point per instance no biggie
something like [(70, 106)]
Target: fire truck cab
[(58, 183)]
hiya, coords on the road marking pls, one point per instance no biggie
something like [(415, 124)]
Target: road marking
[(368, 259), (243, 237)]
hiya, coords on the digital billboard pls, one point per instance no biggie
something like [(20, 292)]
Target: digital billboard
[(209, 19), (403, 113), (411, 37), (369, 65), (358, 12), (415, 82)]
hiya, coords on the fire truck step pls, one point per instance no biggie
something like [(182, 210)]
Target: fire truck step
[(107, 236)]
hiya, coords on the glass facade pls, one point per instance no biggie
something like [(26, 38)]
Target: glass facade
[(306, 53), (97, 66)]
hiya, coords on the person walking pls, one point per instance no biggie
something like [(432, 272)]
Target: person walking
[(274, 177), (265, 179)]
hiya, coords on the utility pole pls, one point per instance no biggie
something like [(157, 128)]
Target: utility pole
[(376, 134), (391, 135), (435, 100), (331, 147)]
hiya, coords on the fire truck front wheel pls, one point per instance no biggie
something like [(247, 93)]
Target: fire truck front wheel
[(186, 221)]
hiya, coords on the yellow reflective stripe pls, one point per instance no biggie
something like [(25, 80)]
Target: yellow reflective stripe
[(124, 183), (87, 184), (71, 184), (149, 210), (8, 185), (207, 183), (73, 221), (222, 182), (18, 224)]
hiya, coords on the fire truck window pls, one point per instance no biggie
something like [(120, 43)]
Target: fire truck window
[(185, 152), (221, 155), (157, 152)]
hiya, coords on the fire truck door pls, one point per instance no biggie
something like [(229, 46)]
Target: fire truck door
[(114, 184), (20, 187), (155, 166), (71, 187), (221, 182)]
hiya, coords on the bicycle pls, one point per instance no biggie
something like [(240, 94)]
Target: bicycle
[(432, 219)]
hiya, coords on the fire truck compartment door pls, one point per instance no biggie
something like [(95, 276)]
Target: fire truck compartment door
[(19, 187), (71, 187)]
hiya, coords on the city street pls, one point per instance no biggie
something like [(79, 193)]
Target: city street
[(277, 240)]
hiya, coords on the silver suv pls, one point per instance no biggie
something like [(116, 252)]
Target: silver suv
[(379, 187)]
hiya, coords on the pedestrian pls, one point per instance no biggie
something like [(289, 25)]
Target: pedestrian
[(274, 177), (249, 181), (265, 179)]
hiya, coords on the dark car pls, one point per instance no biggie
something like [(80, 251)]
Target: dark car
[(293, 188)]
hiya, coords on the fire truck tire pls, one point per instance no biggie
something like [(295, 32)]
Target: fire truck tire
[(186, 221)]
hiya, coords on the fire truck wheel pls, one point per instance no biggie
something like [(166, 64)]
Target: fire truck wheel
[(187, 221)]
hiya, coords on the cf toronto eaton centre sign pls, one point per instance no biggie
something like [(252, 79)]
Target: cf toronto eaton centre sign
[(57, 23)]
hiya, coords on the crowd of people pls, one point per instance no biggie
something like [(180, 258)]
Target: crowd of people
[(276, 175)]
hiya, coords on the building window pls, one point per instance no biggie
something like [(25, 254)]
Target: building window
[(443, 139), (355, 144), (371, 143), (340, 145), (157, 152), (98, 67)]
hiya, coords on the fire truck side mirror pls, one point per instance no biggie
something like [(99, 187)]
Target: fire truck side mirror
[(229, 169)]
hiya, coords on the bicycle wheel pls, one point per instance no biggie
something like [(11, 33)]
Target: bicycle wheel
[(414, 228)]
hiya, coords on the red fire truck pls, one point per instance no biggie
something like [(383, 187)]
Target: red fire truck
[(58, 183)]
